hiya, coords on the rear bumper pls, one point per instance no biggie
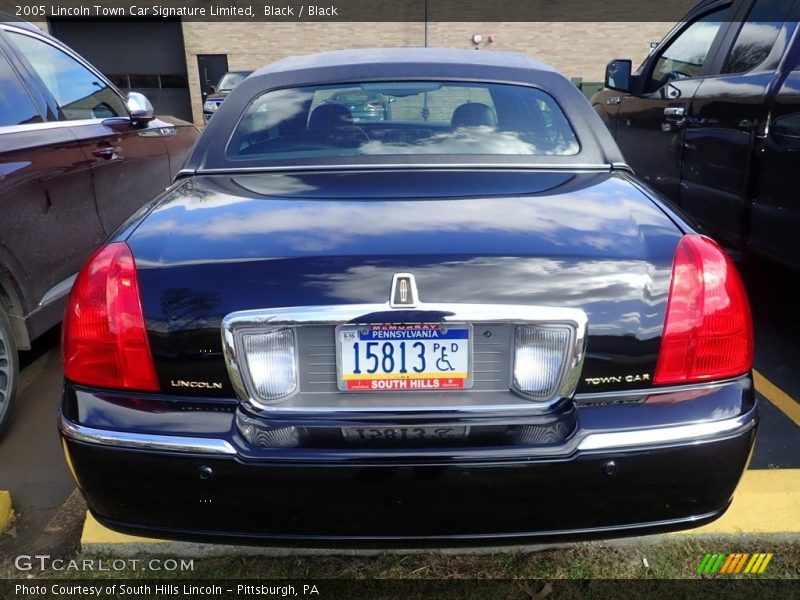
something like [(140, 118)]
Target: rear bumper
[(602, 483)]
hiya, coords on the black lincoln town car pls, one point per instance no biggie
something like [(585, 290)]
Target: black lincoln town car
[(465, 324)]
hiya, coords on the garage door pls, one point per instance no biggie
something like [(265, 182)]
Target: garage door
[(139, 55)]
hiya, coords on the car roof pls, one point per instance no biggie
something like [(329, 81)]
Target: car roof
[(398, 56)]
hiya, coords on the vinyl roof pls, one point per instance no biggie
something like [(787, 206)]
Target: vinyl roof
[(597, 146), (398, 56)]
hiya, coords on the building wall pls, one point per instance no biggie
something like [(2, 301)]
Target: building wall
[(576, 49)]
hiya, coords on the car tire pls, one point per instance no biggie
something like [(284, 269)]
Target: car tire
[(9, 371)]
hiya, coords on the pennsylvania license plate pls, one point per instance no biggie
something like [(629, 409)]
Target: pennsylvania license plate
[(404, 358)]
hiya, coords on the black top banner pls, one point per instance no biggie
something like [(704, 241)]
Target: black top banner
[(354, 10)]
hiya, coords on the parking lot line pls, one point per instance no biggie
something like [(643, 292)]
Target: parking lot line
[(778, 397)]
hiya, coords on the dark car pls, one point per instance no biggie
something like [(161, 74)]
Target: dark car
[(77, 158), (471, 325), (364, 106), (712, 120), (225, 86)]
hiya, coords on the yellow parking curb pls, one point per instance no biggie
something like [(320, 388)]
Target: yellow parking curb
[(6, 510), (95, 533), (765, 502)]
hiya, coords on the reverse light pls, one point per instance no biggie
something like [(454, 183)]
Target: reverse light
[(708, 332), (271, 362), (540, 356), (104, 337)]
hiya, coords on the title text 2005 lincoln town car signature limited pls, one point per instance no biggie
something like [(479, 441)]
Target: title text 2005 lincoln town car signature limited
[(465, 324)]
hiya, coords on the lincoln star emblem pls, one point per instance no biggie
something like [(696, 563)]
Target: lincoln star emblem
[(404, 291)]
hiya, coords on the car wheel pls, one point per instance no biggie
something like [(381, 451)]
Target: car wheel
[(9, 371)]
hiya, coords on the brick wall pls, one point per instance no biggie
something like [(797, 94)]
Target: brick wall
[(576, 49)]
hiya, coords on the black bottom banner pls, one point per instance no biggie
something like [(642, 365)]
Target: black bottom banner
[(404, 589)]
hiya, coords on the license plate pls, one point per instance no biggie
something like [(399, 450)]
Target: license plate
[(413, 357), (401, 434)]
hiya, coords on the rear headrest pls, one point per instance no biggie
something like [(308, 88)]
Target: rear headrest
[(473, 114), (328, 117)]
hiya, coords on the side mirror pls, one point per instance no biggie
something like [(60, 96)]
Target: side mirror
[(139, 108), (213, 89), (618, 75)]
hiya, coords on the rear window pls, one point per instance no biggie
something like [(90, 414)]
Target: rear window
[(402, 118)]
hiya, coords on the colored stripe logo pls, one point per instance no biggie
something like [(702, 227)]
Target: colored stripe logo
[(733, 564)]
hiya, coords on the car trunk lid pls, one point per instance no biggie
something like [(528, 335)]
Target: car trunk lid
[(221, 244)]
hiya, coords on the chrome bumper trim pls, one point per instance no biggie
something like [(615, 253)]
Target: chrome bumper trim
[(665, 436), (587, 442), (144, 441)]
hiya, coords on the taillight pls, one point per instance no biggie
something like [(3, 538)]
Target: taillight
[(104, 338), (708, 332)]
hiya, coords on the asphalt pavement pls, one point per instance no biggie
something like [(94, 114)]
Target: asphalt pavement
[(32, 466), (774, 291)]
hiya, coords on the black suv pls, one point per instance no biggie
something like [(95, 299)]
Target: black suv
[(224, 87), (77, 158), (712, 120)]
